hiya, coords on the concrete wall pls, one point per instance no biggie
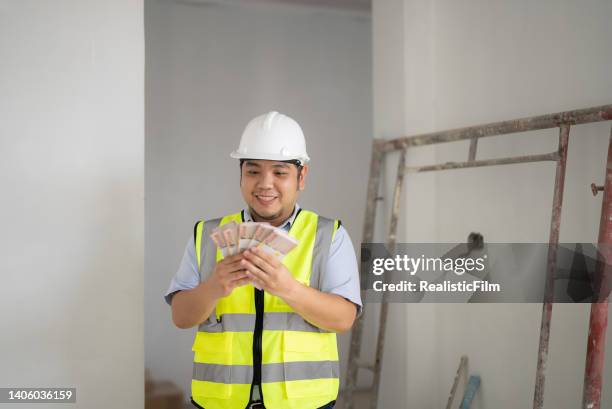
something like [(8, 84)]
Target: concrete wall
[(210, 69), (466, 63), (71, 171)]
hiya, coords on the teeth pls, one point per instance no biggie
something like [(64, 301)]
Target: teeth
[(265, 198)]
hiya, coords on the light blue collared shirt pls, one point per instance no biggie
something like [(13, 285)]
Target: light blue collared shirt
[(341, 277)]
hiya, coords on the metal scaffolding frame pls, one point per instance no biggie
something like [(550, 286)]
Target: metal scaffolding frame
[(599, 309)]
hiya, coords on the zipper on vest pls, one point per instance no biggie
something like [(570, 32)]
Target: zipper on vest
[(257, 334)]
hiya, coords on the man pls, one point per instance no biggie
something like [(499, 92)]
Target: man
[(272, 348)]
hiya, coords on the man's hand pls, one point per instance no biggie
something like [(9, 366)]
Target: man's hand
[(327, 311), (192, 307), (229, 274), (268, 272)]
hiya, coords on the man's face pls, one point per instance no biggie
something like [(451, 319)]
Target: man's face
[(270, 188)]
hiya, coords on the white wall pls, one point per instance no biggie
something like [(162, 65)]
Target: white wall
[(210, 69), (471, 62), (71, 141)]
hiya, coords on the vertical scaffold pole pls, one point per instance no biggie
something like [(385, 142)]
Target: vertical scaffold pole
[(598, 322), (551, 265), (384, 306), (368, 234)]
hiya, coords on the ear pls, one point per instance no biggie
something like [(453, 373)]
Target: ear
[(302, 178)]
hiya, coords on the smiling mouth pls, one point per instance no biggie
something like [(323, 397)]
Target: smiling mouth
[(265, 199)]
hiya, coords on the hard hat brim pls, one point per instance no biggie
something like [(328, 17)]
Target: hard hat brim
[(269, 156)]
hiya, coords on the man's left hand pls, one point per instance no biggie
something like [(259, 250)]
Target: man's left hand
[(268, 272)]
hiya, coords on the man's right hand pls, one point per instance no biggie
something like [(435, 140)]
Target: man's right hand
[(228, 274), (192, 307)]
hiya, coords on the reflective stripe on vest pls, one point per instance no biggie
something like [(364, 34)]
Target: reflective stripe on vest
[(272, 321), (299, 360), (278, 372)]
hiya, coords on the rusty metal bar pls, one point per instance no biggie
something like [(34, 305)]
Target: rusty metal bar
[(384, 306), (473, 147), (598, 321), (575, 117), (553, 156), (555, 223), (367, 236), (460, 370)]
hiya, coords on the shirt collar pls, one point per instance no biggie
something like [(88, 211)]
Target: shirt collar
[(284, 225)]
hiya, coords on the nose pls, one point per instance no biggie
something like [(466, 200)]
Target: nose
[(266, 180)]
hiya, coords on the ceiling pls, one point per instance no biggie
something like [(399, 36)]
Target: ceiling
[(358, 5), (348, 5)]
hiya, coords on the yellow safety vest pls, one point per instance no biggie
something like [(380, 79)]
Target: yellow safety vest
[(255, 337)]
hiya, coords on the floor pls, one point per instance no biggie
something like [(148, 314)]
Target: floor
[(361, 399)]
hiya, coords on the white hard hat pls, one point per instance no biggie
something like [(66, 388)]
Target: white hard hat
[(272, 136)]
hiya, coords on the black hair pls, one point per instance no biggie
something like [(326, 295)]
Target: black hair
[(295, 162)]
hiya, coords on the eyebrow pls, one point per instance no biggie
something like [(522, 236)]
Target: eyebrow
[(257, 165)]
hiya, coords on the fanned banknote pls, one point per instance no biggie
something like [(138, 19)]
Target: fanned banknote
[(233, 238)]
